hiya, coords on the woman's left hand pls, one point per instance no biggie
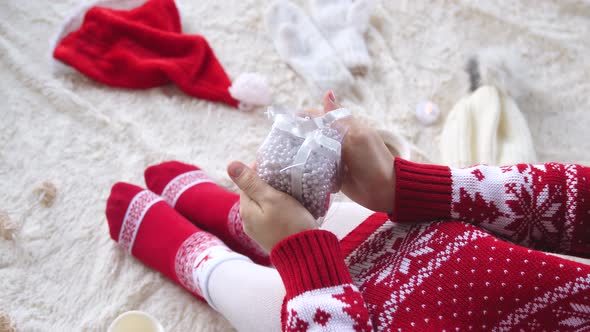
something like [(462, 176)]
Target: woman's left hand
[(269, 215)]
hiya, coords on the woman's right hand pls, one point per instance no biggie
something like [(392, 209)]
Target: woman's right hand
[(368, 172), (269, 215)]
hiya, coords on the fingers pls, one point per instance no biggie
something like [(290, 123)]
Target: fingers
[(249, 211), (311, 112), (329, 101), (247, 180), (361, 145)]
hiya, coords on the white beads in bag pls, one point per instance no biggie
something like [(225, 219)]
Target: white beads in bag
[(301, 157)]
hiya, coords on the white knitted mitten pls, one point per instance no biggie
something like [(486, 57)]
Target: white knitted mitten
[(302, 46), (343, 23)]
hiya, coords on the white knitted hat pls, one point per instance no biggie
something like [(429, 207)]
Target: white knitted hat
[(487, 126)]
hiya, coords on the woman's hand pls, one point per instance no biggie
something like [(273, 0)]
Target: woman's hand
[(368, 175), (269, 215)]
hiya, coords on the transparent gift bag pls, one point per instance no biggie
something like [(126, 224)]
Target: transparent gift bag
[(301, 156)]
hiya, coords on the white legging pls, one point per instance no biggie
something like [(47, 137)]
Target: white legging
[(250, 296)]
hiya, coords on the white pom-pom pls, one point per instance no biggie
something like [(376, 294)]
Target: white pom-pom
[(252, 90)]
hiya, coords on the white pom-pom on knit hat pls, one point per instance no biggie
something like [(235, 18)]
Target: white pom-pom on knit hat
[(487, 126)]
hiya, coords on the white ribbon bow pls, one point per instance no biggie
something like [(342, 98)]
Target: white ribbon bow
[(308, 129)]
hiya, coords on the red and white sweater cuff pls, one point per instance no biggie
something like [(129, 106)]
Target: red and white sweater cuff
[(423, 192), (310, 260)]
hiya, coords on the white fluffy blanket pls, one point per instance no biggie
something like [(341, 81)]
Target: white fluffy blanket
[(64, 273)]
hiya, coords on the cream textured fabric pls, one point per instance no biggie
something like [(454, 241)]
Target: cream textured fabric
[(486, 128), (343, 23), (301, 45), (64, 273)]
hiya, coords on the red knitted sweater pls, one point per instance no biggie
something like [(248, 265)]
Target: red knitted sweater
[(450, 273)]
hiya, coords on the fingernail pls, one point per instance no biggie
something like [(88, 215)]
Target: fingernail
[(235, 169), (332, 96)]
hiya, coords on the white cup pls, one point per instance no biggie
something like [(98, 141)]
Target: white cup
[(135, 321)]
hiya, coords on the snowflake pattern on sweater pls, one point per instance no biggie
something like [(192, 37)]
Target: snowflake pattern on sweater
[(440, 266), (338, 307), (545, 207), (521, 202), (469, 280)]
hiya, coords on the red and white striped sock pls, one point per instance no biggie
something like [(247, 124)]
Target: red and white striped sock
[(194, 195), (149, 229)]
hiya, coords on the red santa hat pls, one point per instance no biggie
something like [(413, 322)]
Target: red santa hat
[(139, 44)]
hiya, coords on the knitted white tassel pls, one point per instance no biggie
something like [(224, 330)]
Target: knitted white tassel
[(252, 90)]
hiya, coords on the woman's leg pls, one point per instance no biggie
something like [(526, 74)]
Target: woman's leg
[(343, 217), (250, 296)]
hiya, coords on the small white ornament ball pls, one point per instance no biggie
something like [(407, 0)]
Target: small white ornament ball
[(427, 113)]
